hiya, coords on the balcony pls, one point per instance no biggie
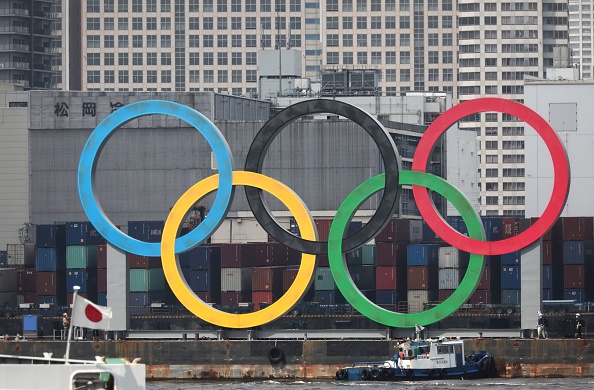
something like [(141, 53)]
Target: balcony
[(14, 65), (14, 30), (14, 47), (13, 12)]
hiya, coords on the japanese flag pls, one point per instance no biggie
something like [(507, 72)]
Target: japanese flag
[(89, 315)]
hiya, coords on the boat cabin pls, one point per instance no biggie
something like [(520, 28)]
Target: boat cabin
[(430, 354)]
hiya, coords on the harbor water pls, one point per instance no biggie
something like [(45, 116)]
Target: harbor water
[(487, 384)]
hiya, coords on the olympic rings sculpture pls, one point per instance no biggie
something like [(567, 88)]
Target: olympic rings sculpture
[(336, 247)]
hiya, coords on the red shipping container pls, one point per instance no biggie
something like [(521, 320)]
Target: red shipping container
[(102, 280), (322, 261), (548, 236), (509, 228), (390, 278), (144, 262), (289, 276), (20, 281), (30, 280), (397, 230), (235, 297), (445, 294), (280, 254), (480, 296), (422, 278), (253, 255), (267, 278), (390, 253), (265, 297), (101, 256), (547, 252), (577, 228), (523, 224), (230, 256), (205, 296), (323, 226), (485, 280), (47, 283), (573, 276), (31, 297)]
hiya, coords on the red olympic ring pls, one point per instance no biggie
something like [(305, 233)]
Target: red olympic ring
[(560, 184)]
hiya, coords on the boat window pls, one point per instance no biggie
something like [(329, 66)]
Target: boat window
[(443, 349), (458, 348), (410, 353)]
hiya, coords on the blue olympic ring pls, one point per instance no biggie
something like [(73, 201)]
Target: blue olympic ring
[(98, 139)]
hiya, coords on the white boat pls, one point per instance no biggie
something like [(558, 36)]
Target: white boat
[(34, 373)]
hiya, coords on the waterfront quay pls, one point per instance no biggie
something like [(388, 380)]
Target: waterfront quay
[(195, 358)]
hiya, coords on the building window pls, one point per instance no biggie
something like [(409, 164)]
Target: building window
[(513, 200), (151, 58), (492, 200), (209, 76), (93, 59), (222, 76), (93, 41), (491, 172), (347, 40), (332, 58), (332, 40), (122, 59), (109, 77), (491, 145), (405, 75), (137, 58), (123, 77), (137, 77), (250, 59), (165, 58), (222, 59), (236, 76), (362, 58), (390, 57), (491, 159), (165, 40), (208, 59), (108, 59), (194, 58), (251, 76), (165, 76), (136, 40), (93, 76), (405, 57), (390, 75), (194, 76), (122, 23), (347, 58)]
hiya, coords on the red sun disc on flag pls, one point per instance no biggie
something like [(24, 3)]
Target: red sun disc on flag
[(93, 314)]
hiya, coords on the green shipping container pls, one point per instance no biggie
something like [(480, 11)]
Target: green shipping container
[(368, 254), (81, 256), (145, 280), (324, 280)]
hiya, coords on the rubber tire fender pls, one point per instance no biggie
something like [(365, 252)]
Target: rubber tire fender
[(432, 373), (365, 374), (410, 373), (341, 374), (384, 373), (375, 373), (275, 355), (444, 373)]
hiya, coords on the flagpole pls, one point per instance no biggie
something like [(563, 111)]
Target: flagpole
[(75, 288)]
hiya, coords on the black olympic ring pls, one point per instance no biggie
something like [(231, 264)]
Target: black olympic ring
[(390, 156)]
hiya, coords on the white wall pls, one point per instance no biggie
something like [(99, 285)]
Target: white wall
[(462, 165)]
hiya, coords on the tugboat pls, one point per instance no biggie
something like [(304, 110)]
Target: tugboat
[(423, 360)]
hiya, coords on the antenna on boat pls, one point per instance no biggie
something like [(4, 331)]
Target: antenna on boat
[(418, 331)]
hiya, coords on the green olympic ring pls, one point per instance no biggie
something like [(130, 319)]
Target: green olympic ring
[(353, 295)]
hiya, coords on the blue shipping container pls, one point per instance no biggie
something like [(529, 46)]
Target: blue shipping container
[(457, 223), (510, 277), (86, 279), (201, 280), (201, 258), (576, 294), (102, 299), (547, 277), (547, 294), (50, 236), (422, 254), (3, 259), (578, 252), (386, 297), (329, 297), (429, 236), (510, 297), (50, 259), (146, 298), (47, 299), (32, 322), (82, 233), (493, 228), (514, 258), (149, 231)]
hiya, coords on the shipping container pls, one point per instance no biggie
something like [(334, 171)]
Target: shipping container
[(20, 255), (493, 228), (547, 252), (485, 280), (8, 299), (386, 297), (444, 294), (199, 258), (418, 298), (401, 230), (8, 280), (267, 278), (81, 256), (391, 253), (363, 276), (510, 297), (329, 297), (458, 224), (322, 261), (390, 278), (50, 236), (146, 298), (145, 280), (235, 297), (101, 256), (323, 228), (422, 278), (509, 228), (578, 252), (50, 259), (29, 280), (510, 277), (86, 279), (83, 233), (102, 280), (138, 311), (548, 236), (364, 255), (547, 277), (547, 294), (236, 279), (480, 296), (323, 280), (31, 297), (144, 262), (430, 236), (450, 278), (205, 280), (577, 228), (3, 259), (147, 231), (452, 257), (47, 300), (579, 295), (574, 276), (52, 283), (422, 255), (102, 299), (259, 297), (513, 258)]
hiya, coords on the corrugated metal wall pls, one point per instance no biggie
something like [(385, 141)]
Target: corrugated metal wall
[(145, 168)]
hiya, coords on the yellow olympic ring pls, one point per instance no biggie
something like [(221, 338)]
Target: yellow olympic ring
[(173, 272)]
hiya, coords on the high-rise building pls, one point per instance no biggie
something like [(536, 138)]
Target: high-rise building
[(27, 43), (581, 13)]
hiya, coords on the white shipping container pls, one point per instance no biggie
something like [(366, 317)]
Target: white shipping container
[(8, 280), (20, 255), (416, 231), (8, 299), (417, 300), (452, 257), (449, 278), (236, 279)]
